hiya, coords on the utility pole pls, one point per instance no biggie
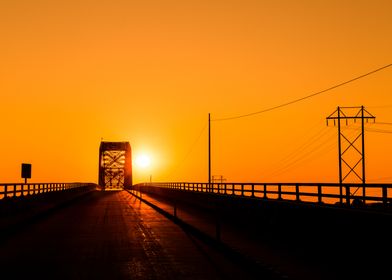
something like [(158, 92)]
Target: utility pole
[(353, 114), (209, 151)]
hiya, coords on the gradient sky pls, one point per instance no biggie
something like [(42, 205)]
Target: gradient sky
[(149, 72)]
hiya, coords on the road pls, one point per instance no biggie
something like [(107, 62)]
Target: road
[(111, 235)]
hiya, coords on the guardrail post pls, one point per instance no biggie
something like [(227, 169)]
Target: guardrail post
[(242, 189), (279, 191), (265, 191), (253, 190), (364, 194), (348, 195), (14, 190), (319, 194), (341, 193), (297, 198), (225, 188), (5, 191), (385, 196)]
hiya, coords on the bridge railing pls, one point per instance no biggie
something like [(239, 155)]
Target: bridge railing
[(321, 193), (9, 190)]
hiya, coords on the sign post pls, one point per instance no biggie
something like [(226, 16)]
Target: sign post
[(26, 171)]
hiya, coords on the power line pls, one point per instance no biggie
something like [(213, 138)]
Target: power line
[(327, 145), (378, 130), (195, 142), (322, 148), (380, 179), (380, 107), (303, 151), (305, 97), (321, 133), (370, 129), (308, 156), (385, 123), (189, 150)]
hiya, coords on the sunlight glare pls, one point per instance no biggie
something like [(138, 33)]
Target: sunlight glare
[(143, 161)]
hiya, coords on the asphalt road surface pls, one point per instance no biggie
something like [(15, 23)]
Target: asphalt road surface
[(111, 235)]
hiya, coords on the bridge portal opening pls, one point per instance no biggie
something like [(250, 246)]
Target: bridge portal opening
[(115, 165)]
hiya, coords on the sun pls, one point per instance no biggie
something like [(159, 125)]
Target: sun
[(143, 161)]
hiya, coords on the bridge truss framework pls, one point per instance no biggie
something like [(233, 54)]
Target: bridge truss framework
[(115, 165)]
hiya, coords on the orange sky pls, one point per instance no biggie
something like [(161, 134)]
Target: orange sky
[(149, 72)]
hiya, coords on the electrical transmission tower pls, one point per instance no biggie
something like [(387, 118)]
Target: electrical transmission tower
[(354, 147)]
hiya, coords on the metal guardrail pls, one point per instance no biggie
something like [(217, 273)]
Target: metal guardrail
[(321, 193), (16, 190)]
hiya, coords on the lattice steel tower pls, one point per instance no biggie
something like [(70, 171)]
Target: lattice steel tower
[(115, 165), (356, 168)]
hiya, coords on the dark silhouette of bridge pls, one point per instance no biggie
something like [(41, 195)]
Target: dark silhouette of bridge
[(214, 230), (195, 231)]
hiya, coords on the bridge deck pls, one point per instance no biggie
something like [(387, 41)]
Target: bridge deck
[(319, 243), (111, 235), (118, 236), (282, 262)]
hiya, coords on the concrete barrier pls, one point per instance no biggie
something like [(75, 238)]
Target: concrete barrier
[(17, 212)]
